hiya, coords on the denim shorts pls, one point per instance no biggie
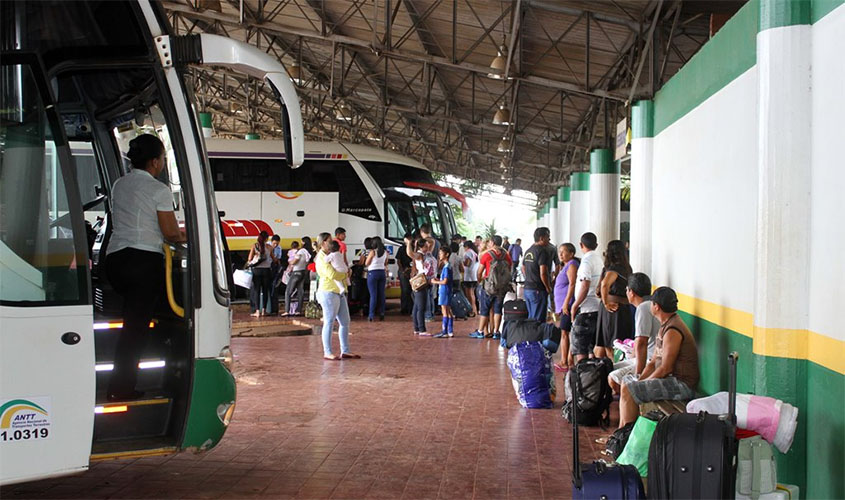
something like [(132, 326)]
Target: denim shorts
[(487, 302), (583, 335), (657, 389)]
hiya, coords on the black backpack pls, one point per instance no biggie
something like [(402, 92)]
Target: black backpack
[(594, 393)]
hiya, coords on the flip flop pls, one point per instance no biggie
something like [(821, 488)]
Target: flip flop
[(601, 440), (347, 355), (561, 368)]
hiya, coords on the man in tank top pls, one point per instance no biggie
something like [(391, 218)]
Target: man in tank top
[(672, 373)]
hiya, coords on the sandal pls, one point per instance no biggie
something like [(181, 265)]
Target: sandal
[(349, 355), (602, 440), (332, 358), (561, 368)]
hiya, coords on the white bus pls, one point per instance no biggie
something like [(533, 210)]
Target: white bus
[(78, 80), (367, 191)]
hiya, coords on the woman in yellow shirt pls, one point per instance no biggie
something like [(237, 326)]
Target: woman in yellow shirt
[(331, 295)]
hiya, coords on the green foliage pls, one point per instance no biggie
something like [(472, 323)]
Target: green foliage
[(489, 229)]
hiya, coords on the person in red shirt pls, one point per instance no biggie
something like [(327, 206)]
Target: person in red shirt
[(340, 237), (487, 302)]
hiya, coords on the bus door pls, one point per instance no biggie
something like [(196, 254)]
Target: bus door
[(47, 384)]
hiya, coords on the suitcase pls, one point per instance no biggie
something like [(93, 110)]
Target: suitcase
[(460, 305), (599, 479), (515, 309), (694, 455)]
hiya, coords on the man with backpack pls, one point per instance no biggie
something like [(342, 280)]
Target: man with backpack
[(494, 278), (536, 267)]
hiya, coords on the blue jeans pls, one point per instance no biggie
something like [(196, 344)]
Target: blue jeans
[(537, 302), (432, 298), (421, 301), (376, 283), (334, 308)]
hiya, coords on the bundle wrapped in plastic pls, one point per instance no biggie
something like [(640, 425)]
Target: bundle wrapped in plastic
[(626, 346), (773, 419), (530, 365)]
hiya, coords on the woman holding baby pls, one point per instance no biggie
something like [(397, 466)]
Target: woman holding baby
[(331, 295)]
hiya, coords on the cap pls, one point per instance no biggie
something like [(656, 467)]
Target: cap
[(666, 298)]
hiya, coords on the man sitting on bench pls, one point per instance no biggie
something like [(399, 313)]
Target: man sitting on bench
[(672, 373)]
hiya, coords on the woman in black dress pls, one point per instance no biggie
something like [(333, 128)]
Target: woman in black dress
[(615, 319)]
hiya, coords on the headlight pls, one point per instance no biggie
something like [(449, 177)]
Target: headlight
[(225, 412), (225, 357)]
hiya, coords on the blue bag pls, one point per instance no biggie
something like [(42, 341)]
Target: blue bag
[(532, 376)]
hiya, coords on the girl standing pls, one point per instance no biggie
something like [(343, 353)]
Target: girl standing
[(260, 261), (444, 294), (376, 263), (424, 266), (470, 270)]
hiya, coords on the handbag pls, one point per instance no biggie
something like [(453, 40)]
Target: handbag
[(418, 282), (243, 278)]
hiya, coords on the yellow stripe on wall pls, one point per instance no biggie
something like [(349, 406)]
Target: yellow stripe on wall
[(777, 342)]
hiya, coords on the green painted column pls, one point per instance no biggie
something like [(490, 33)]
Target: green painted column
[(563, 214), (579, 207), (642, 165), (604, 196), (784, 231), (553, 218), (205, 123), (252, 137)]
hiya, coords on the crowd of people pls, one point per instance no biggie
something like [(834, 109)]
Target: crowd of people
[(595, 300)]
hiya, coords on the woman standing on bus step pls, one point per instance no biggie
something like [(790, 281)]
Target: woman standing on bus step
[(376, 277), (331, 295), (143, 219), (260, 261), (298, 262)]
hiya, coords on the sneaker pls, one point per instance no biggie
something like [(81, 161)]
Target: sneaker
[(490, 336), (441, 335), (476, 335), (450, 334), (497, 336), (425, 334)]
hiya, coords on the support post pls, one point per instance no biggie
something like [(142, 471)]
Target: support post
[(604, 196), (563, 215), (642, 164), (579, 207), (553, 218)]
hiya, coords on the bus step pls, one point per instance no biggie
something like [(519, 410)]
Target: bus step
[(132, 448), (130, 420)]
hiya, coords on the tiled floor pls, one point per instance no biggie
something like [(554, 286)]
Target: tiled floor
[(415, 418)]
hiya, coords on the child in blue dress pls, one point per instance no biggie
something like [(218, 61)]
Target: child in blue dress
[(444, 294)]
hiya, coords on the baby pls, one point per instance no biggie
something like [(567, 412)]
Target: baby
[(336, 259)]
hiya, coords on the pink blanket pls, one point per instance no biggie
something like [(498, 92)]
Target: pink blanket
[(773, 419)]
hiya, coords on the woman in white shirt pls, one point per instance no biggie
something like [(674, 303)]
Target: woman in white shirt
[(298, 277), (376, 276), (470, 280), (143, 218)]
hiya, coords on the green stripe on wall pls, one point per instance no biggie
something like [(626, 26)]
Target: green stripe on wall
[(777, 13), (821, 8), (817, 457), (580, 181), (730, 53)]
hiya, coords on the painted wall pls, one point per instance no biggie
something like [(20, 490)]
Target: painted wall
[(717, 165)]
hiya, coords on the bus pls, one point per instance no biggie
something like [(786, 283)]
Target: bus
[(368, 191), (78, 80)]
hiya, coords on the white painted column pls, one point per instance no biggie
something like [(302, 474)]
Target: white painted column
[(642, 164), (604, 196), (782, 270), (579, 207), (563, 215), (553, 219)]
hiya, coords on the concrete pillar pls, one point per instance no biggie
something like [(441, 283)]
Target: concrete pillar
[(781, 303), (205, 123), (563, 215), (579, 207), (553, 218), (642, 164), (604, 196), (544, 222)]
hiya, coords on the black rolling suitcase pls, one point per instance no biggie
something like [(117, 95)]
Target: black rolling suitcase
[(694, 455), (600, 480), (515, 309)]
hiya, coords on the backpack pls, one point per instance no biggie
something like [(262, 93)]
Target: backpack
[(594, 393), (313, 310), (498, 281)]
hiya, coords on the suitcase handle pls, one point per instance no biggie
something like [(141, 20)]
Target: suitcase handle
[(733, 357), (576, 463)]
